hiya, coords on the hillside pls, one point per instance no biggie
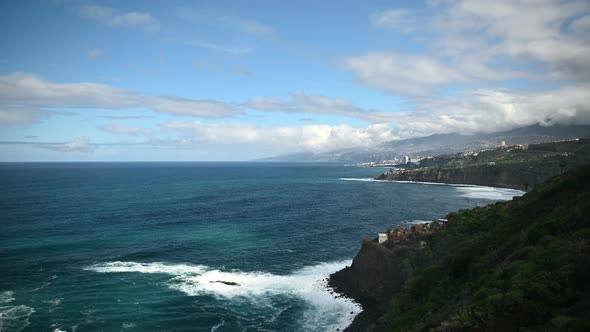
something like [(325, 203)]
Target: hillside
[(438, 144), (520, 265), (516, 167)]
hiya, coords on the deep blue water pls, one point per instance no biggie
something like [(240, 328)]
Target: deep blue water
[(140, 246)]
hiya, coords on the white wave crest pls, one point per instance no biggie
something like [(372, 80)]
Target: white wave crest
[(156, 267), (15, 318), (360, 179), (491, 193), (329, 311), (416, 222), (6, 297)]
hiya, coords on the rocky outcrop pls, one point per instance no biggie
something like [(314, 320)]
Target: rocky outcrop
[(379, 272)]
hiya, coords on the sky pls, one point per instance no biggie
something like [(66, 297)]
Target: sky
[(242, 80)]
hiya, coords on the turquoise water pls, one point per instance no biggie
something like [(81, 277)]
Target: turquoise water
[(142, 246)]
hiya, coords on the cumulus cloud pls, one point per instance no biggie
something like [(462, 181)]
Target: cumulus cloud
[(314, 138), (110, 17), (490, 110), (532, 31), (405, 74), (27, 90), (80, 144), (479, 42)]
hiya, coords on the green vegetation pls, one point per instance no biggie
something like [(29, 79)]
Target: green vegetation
[(522, 265), (519, 167)]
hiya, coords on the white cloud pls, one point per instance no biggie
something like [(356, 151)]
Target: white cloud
[(23, 90), (490, 110), (189, 107), (80, 144), (404, 74), (533, 32), (15, 116), (108, 16), (581, 24), (398, 19), (481, 42), (29, 89), (314, 138), (317, 104)]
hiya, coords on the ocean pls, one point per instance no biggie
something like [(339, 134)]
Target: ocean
[(195, 246)]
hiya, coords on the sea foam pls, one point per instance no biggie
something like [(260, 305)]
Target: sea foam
[(15, 318), (328, 311), (465, 190), (360, 179), (6, 297), (491, 193)]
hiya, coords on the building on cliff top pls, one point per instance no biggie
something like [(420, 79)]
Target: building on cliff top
[(382, 237)]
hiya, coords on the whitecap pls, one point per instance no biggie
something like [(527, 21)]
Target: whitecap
[(327, 310), (156, 267), (215, 327), (128, 325), (491, 193), (416, 222), (15, 318), (360, 179), (6, 297)]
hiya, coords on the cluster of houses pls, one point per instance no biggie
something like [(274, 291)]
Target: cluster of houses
[(405, 234)]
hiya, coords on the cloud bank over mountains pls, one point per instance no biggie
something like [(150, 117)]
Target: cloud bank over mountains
[(479, 67)]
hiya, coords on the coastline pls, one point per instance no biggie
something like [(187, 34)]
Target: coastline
[(473, 269)]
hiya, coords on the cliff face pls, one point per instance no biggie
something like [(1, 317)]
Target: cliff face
[(380, 272), (375, 274), (510, 167), (477, 175)]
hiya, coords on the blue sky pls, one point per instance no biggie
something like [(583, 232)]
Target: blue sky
[(240, 80)]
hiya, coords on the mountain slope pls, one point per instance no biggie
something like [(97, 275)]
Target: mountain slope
[(438, 144), (513, 167)]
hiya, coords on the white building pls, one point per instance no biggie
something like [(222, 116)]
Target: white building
[(382, 237), (406, 159)]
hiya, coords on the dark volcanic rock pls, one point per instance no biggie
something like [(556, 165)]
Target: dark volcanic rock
[(376, 274), (229, 283)]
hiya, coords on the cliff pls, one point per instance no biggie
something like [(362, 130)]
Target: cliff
[(485, 175), (510, 266), (518, 167)]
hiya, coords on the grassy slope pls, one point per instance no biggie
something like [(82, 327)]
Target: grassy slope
[(519, 265)]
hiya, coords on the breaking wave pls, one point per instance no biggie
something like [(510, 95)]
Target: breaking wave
[(360, 179), (491, 193), (327, 310), (15, 318)]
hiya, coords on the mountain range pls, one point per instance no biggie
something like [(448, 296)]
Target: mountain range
[(438, 144)]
